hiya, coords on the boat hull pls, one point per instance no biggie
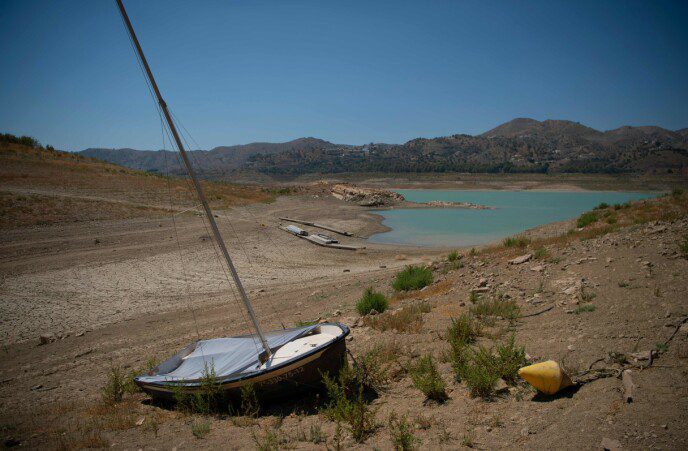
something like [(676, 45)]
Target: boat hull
[(296, 377)]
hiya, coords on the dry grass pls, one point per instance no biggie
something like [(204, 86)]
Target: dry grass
[(408, 319), (44, 187), (431, 291)]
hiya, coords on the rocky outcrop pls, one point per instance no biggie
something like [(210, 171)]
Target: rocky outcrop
[(366, 197)]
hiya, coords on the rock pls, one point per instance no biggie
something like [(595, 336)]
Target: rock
[(525, 432), (482, 282), (373, 312), (480, 290), (570, 290), (501, 385), (36, 387), (642, 359), (337, 313), (347, 270), (521, 259), (609, 259), (683, 329), (140, 421), (46, 338), (608, 444), (538, 268)]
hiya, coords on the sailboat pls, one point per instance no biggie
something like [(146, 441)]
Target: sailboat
[(277, 363)]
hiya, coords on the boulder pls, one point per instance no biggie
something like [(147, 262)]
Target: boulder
[(521, 259)]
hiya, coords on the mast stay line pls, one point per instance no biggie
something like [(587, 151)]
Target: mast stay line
[(194, 179)]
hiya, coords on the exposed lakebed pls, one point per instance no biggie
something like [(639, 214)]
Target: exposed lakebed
[(514, 212)]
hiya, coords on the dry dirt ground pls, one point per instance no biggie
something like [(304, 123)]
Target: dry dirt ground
[(119, 295), (133, 283)]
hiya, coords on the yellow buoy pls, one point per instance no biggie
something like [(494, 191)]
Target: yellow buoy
[(547, 377)]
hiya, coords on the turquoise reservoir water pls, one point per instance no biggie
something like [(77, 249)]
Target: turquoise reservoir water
[(516, 211)]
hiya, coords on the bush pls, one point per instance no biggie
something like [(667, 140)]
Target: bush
[(428, 380), (453, 256), (481, 368), (480, 372), (412, 278), (519, 241), (585, 308), (507, 309), (370, 301), (114, 389), (602, 206), (348, 402), (510, 358), (205, 400), (464, 329), (401, 433), (677, 192), (540, 253), (200, 428), (586, 219)]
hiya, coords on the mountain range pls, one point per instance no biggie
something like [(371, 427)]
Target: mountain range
[(520, 145)]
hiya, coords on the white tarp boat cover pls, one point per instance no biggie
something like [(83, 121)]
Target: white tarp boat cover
[(228, 357)]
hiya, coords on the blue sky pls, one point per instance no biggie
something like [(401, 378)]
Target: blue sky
[(349, 72)]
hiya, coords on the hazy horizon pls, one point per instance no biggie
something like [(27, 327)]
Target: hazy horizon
[(349, 74)]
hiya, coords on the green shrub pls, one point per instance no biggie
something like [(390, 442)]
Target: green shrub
[(586, 219), (200, 428), (412, 278), (459, 357), (370, 301), (488, 308), (115, 387), (587, 296), (207, 399), (677, 192), (269, 440), (480, 373), (584, 308), (453, 256), (510, 358), (464, 329), (401, 433), (348, 402), (518, 241), (427, 379), (602, 206), (540, 253)]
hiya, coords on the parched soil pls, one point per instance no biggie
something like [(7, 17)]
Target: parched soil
[(118, 292)]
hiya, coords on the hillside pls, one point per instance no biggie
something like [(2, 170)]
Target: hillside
[(42, 186), (212, 163), (521, 145)]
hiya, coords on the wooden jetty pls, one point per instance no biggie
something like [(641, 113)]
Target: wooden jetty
[(320, 226)]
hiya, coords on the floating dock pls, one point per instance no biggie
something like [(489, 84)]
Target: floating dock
[(320, 226)]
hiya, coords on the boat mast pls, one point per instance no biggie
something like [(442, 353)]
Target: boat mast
[(194, 179)]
